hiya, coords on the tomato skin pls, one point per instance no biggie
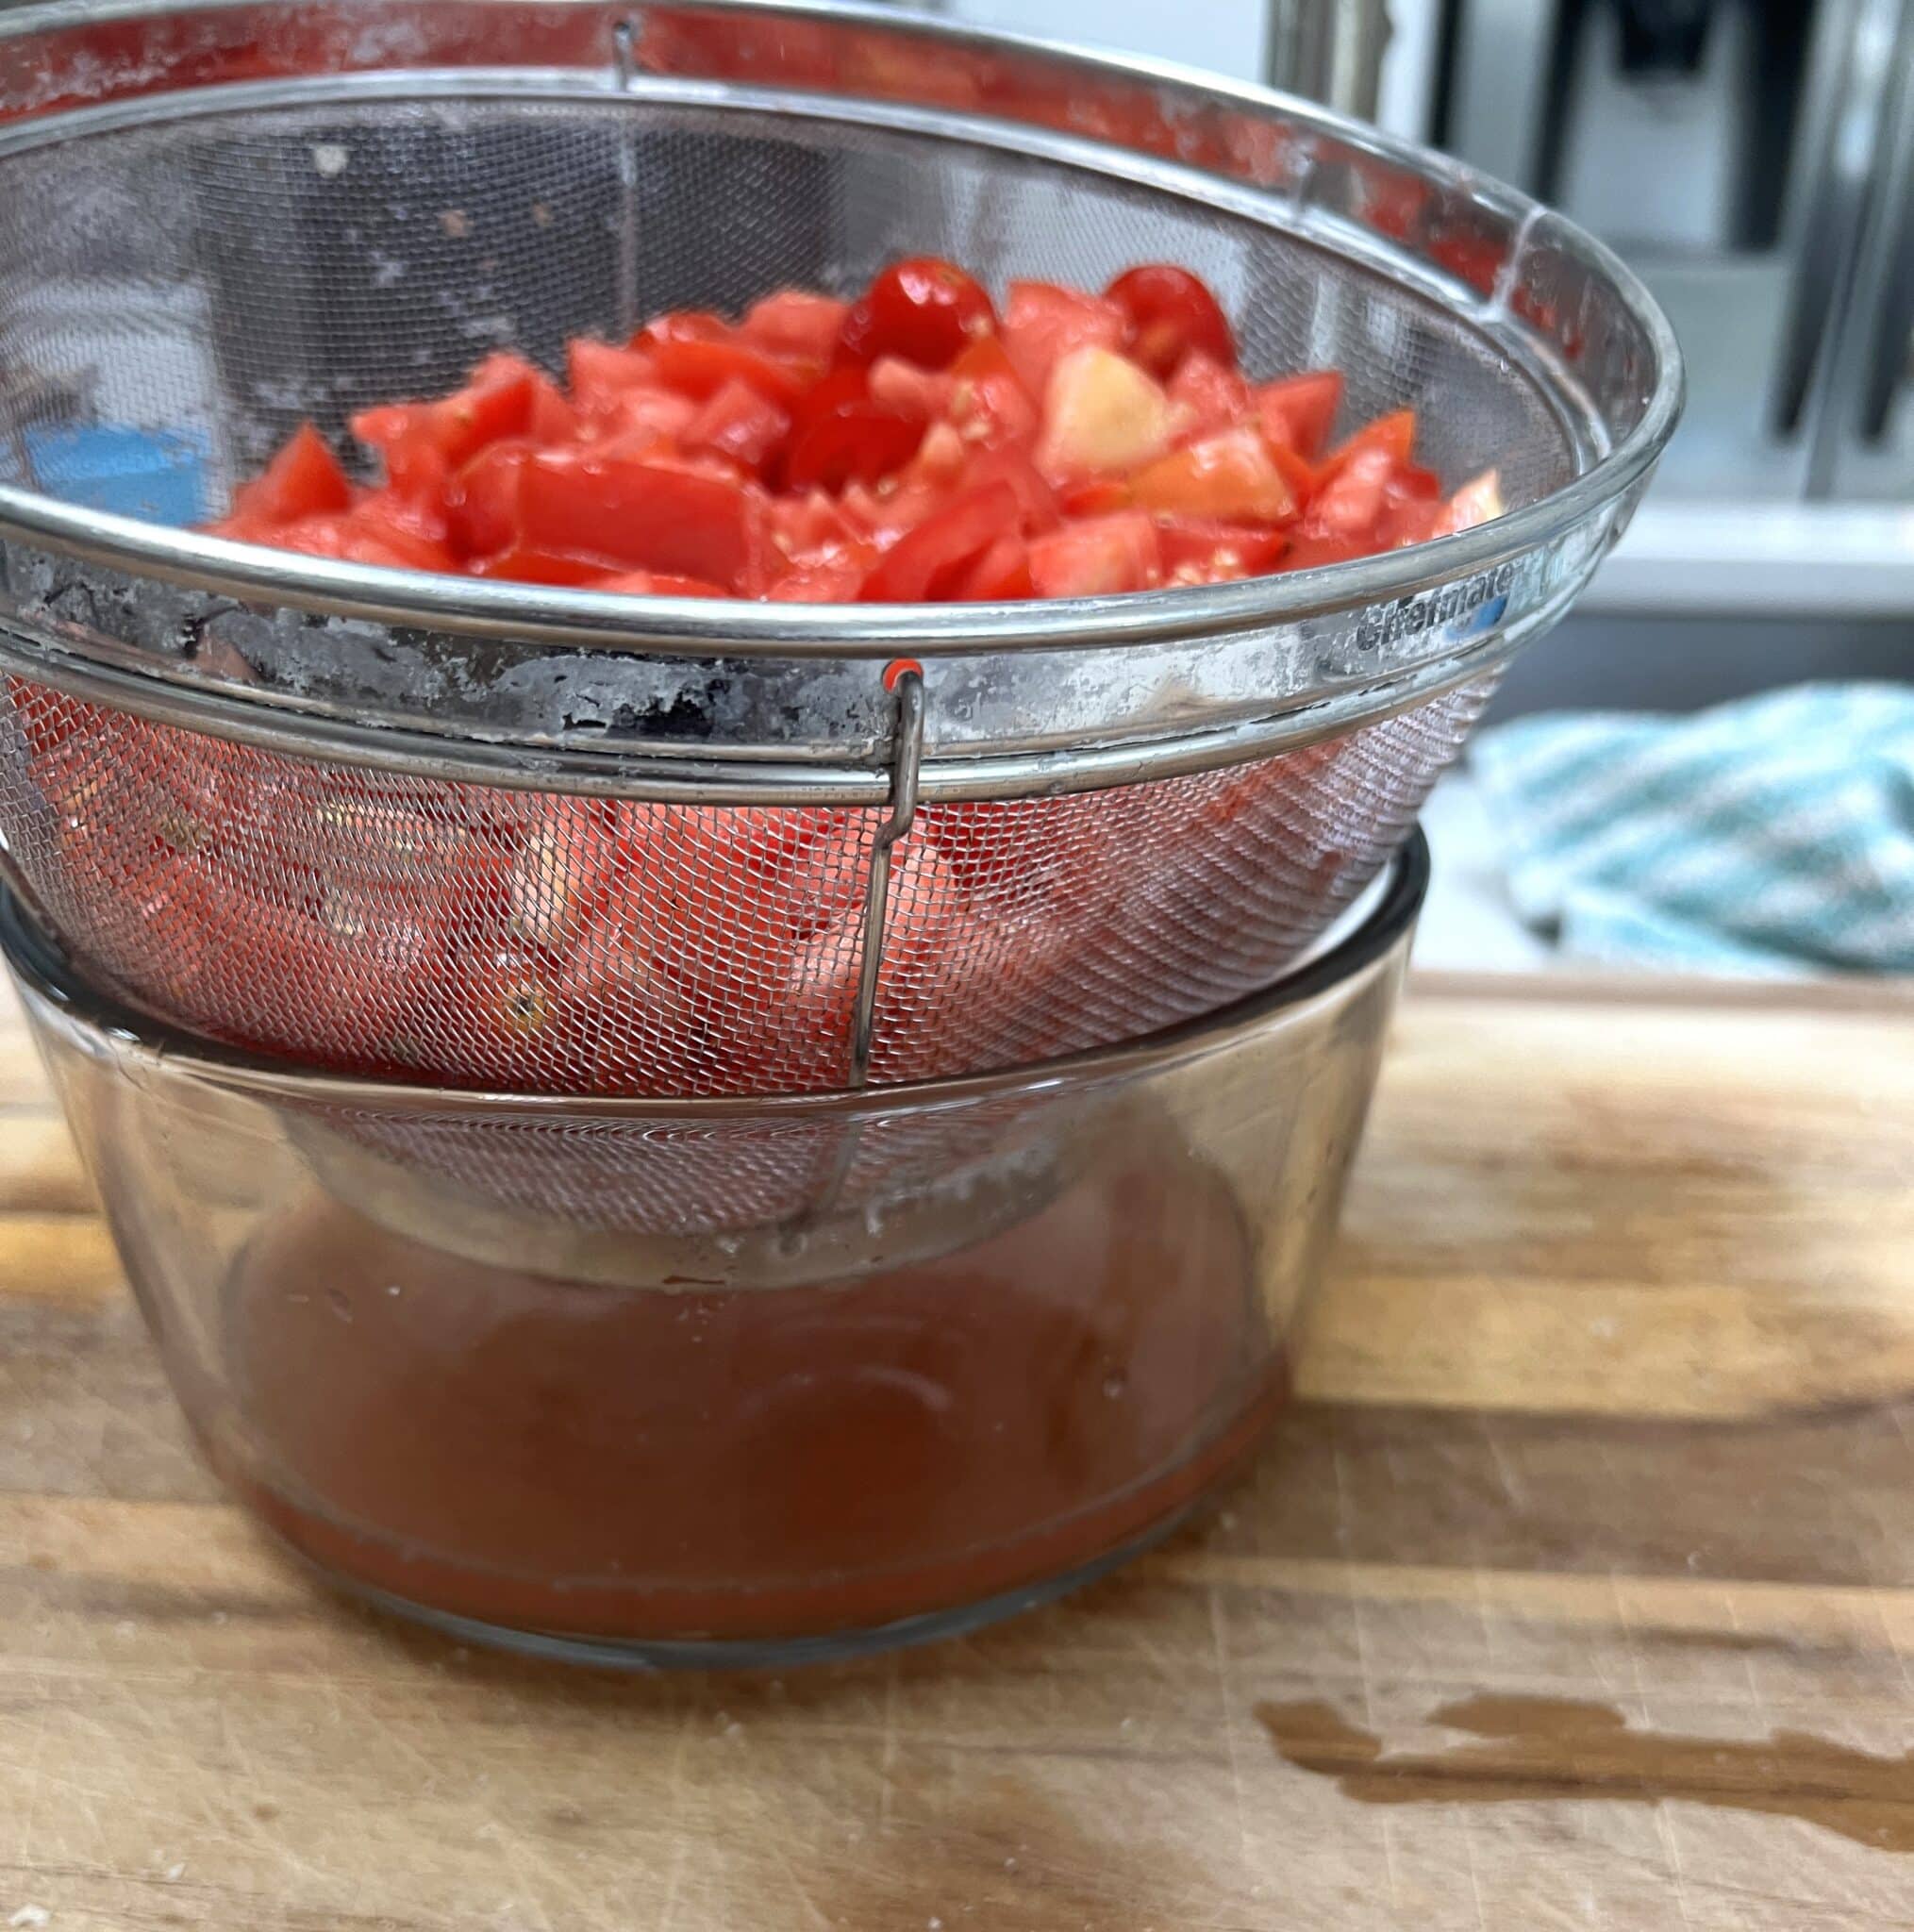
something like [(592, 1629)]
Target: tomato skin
[(840, 434), (1394, 434), (924, 563), (482, 501), (1036, 502), (517, 564), (1172, 315), (1001, 575), (989, 403), (796, 323), (1231, 476), (700, 369), (1043, 322), (1200, 550), (1296, 412), (923, 309), (741, 423), (642, 516), (654, 583), (1208, 395), (1099, 557), (303, 480)]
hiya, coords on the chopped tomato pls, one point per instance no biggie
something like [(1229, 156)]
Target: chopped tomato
[(1394, 434), (1101, 414), (1172, 315), (929, 560), (988, 404), (1202, 550), (1205, 396), (643, 516), (654, 583), (842, 434), (599, 371), (921, 309), (1097, 558), (1036, 501), (837, 579), (1043, 322), (1231, 476), (741, 423), (518, 565), (700, 369), (1001, 575), (921, 394), (303, 480), (1296, 412), (483, 501), (794, 323)]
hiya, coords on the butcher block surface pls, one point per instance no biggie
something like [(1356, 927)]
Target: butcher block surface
[(1577, 1589)]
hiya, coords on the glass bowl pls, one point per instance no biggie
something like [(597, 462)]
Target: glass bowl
[(731, 1381)]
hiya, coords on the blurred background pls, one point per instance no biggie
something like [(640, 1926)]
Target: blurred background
[(1754, 160)]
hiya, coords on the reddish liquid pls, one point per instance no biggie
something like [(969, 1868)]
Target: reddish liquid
[(751, 1464)]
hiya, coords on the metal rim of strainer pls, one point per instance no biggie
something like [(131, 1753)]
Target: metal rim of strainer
[(674, 626)]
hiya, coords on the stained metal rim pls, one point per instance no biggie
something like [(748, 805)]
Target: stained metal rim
[(45, 973), (692, 626)]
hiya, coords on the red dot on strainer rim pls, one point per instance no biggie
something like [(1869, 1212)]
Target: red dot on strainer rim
[(897, 668)]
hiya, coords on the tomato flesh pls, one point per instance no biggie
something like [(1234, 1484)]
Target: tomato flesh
[(914, 443)]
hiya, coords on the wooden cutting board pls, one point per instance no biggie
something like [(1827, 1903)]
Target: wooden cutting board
[(1578, 1590)]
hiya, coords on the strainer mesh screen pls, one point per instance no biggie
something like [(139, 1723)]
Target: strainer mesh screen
[(494, 938)]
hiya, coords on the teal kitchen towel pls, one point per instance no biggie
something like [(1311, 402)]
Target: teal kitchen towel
[(1774, 835)]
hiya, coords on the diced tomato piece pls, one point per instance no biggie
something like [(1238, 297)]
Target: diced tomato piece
[(303, 480), (482, 502), (598, 372), (405, 530), (654, 583), (804, 526), (921, 309), (1098, 557), (682, 325), (1036, 501), (840, 434), (1001, 575), (1311, 550), (1172, 315), (1101, 412), (1043, 322), (518, 565), (700, 369), (1296, 413), (924, 563), (796, 323), (496, 402), (1394, 434), (644, 517), (1231, 476), (837, 579), (921, 394), (1096, 497), (989, 403), (1206, 396), (336, 534), (1199, 550), (1299, 473), (1478, 501), (741, 423)]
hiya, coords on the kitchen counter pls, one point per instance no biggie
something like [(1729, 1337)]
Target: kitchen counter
[(1577, 1588)]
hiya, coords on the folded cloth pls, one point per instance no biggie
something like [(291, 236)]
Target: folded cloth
[(1773, 835)]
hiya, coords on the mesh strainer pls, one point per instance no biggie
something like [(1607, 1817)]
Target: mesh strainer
[(562, 842)]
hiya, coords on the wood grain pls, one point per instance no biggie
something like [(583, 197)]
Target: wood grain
[(1579, 1591)]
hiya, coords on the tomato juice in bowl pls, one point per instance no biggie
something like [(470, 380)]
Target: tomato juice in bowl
[(556, 1421)]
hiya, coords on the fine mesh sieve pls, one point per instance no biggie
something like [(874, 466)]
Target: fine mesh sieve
[(558, 842)]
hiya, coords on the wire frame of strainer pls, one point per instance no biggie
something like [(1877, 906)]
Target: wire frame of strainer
[(373, 818)]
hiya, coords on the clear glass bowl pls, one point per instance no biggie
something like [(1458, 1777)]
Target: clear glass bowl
[(730, 1381)]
